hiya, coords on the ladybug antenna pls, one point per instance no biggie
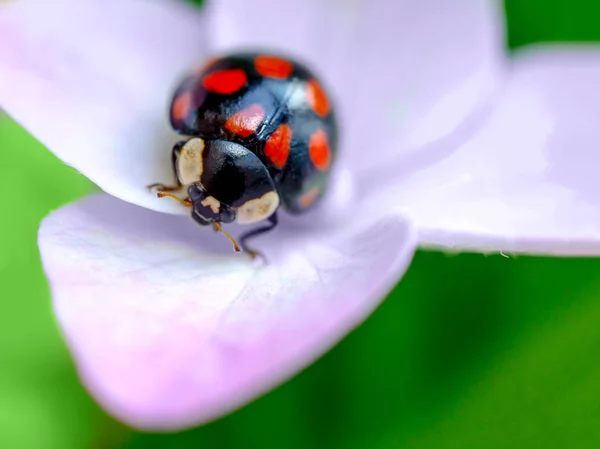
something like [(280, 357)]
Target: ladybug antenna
[(218, 227)]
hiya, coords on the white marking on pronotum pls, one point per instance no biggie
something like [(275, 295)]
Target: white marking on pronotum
[(189, 162), (257, 209), (213, 203)]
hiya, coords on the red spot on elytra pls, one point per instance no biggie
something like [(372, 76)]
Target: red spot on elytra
[(277, 148), (245, 122), (225, 82), (273, 67), (318, 150), (181, 106), (317, 98)]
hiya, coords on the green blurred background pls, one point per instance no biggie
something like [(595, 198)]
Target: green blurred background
[(468, 352)]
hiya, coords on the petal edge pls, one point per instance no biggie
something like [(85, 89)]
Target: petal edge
[(167, 335)]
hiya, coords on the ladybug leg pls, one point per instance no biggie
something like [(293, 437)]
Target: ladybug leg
[(250, 234), (164, 188), (217, 227), (186, 202)]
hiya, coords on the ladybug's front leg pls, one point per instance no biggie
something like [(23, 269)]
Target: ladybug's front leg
[(186, 201)]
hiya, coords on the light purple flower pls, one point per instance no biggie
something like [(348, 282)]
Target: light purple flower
[(446, 143)]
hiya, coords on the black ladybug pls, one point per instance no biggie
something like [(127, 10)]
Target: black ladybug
[(263, 135)]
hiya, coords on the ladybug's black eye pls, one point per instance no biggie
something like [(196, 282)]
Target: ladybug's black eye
[(226, 215), (196, 193), (203, 204)]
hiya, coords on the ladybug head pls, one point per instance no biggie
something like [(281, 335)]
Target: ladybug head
[(206, 209)]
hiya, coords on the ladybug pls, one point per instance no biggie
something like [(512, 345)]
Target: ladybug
[(261, 135)]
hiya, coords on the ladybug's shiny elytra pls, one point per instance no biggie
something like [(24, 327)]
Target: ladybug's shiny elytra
[(262, 135)]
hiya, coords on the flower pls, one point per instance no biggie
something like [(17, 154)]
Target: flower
[(446, 143)]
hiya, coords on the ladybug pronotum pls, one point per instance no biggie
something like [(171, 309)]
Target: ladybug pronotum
[(262, 134)]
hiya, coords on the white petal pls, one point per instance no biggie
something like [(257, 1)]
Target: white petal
[(527, 180), (170, 328), (92, 80), (405, 71)]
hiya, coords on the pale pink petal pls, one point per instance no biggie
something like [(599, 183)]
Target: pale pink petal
[(404, 72), (92, 80), (527, 180), (170, 328)]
